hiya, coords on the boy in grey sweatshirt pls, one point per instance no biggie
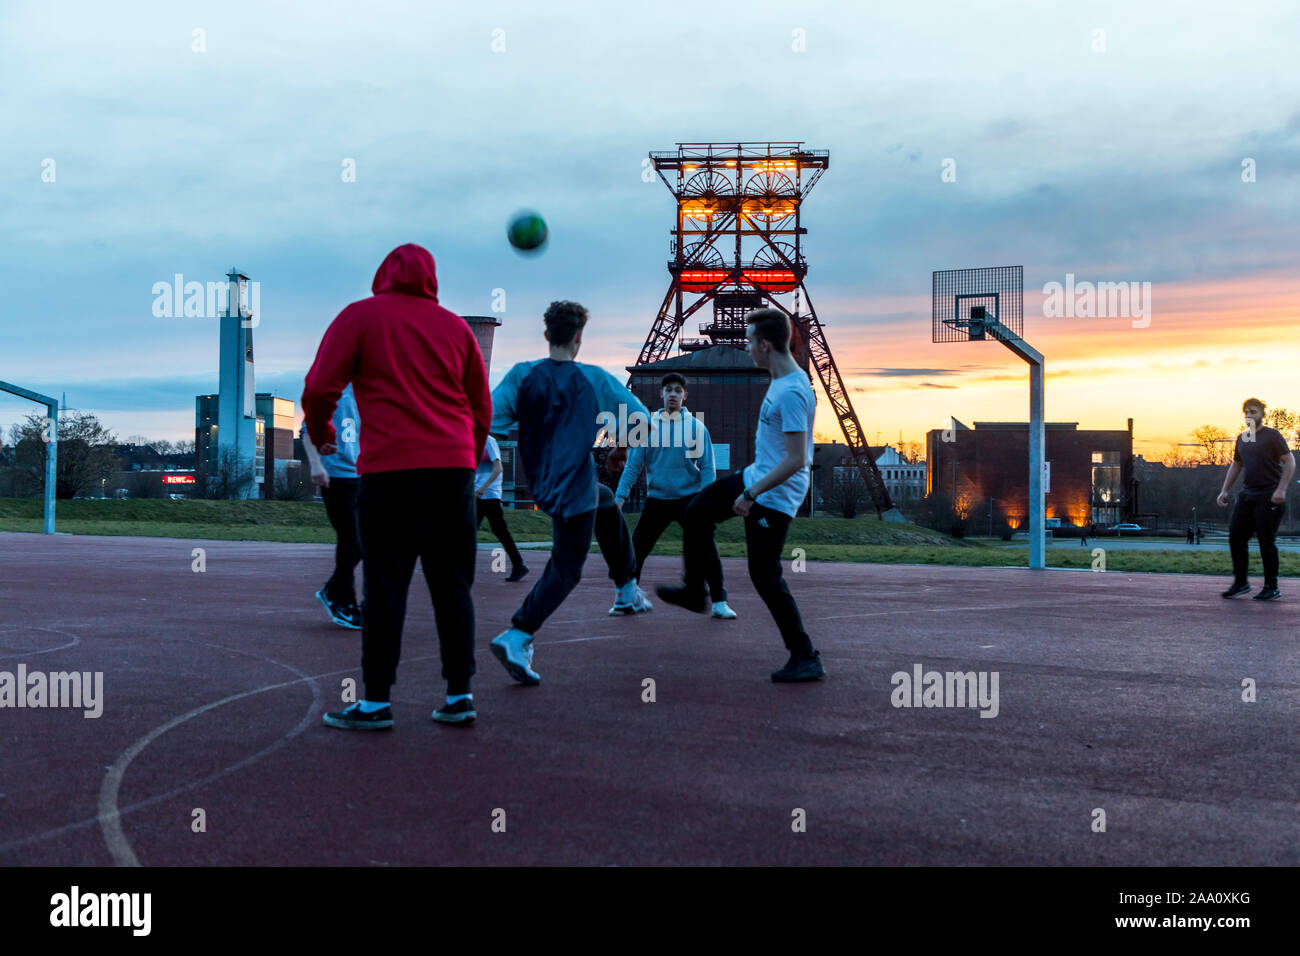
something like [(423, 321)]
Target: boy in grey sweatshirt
[(677, 458)]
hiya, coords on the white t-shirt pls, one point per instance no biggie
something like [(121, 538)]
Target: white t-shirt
[(491, 453), (788, 406)]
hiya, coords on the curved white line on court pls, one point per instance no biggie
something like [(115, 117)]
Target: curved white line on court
[(175, 791), (49, 650), (110, 816)]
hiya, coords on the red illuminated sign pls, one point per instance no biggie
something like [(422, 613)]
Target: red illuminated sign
[(178, 479)]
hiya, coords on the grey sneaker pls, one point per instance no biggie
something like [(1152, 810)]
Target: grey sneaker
[(514, 649), (638, 605)]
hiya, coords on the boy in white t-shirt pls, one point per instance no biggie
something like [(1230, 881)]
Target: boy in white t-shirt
[(767, 495), (487, 488)]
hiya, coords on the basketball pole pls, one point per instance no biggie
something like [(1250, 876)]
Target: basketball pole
[(1037, 498), (1037, 441)]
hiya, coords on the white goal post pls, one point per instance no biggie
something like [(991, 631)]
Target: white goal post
[(50, 435)]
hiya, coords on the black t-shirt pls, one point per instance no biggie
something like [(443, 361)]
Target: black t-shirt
[(1259, 459)]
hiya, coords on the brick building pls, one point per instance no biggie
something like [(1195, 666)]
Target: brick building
[(1090, 472)]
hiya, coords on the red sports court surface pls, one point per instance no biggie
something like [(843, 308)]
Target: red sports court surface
[(1119, 693)]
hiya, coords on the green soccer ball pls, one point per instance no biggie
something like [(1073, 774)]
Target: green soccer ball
[(527, 232)]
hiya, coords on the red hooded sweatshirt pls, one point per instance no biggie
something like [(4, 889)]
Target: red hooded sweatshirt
[(415, 368)]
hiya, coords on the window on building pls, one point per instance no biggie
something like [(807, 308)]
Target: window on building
[(1107, 487), (259, 459)]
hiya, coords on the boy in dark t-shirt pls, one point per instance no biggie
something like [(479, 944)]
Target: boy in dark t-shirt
[(558, 404), (1261, 455)]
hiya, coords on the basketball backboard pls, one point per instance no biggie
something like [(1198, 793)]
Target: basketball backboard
[(969, 303)]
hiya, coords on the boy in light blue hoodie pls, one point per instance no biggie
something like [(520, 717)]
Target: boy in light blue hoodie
[(678, 461)]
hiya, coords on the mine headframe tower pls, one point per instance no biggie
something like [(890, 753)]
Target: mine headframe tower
[(737, 244)]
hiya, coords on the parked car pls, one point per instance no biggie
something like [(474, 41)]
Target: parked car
[(1119, 529)]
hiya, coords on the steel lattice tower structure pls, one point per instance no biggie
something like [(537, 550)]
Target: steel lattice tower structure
[(737, 245)]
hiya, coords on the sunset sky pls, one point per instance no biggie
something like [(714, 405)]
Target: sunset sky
[(1113, 156)]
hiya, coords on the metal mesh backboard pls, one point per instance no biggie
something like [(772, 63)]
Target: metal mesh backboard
[(998, 290)]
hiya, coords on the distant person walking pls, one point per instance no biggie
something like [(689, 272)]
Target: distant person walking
[(1191, 536), (1267, 465), (336, 475), (422, 390), (487, 488)]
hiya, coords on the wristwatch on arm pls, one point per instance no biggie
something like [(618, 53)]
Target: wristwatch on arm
[(748, 496)]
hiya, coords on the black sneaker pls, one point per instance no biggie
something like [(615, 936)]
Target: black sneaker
[(800, 668), (517, 574), (1268, 594), (353, 719), (461, 712), (697, 601), (1236, 590), (344, 615), (347, 615)]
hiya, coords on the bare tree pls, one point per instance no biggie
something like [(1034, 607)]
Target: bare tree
[(292, 484), (229, 477), (1177, 456), (846, 493), (86, 452), (1213, 445), (1287, 422)]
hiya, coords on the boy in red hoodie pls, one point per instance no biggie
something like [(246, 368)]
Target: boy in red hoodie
[(421, 388)]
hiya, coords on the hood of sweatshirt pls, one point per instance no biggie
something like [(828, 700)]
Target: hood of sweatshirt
[(408, 269)]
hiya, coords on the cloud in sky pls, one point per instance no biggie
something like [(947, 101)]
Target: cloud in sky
[(1123, 164)]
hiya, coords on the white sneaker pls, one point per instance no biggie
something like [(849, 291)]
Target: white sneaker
[(514, 649), (720, 610), (634, 602)]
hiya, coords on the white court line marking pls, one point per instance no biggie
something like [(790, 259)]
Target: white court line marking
[(578, 640), (49, 650), (110, 817), (175, 791)]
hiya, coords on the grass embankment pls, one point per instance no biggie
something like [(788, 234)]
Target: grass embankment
[(863, 540), (305, 521)]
